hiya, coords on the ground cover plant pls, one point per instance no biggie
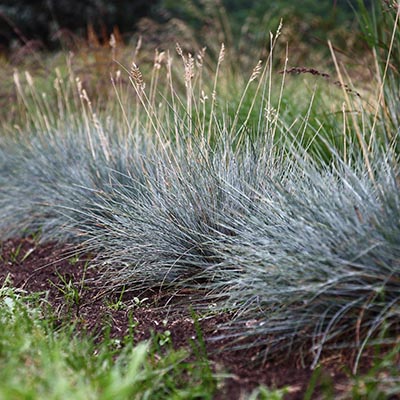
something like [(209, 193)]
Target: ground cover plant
[(186, 182), (59, 364)]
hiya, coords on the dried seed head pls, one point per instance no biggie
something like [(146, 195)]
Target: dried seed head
[(315, 72), (256, 71), (84, 96), (279, 30), (203, 97), (16, 80), (78, 84), (221, 54), (189, 69), (113, 42), (179, 49), (394, 4), (271, 114), (158, 59), (138, 47), (137, 76), (29, 78), (304, 70), (200, 57)]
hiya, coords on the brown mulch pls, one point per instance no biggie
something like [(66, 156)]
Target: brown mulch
[(49, 268)]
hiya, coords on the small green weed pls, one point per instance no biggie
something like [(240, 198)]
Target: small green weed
[(324, 383), (74, 259), (71, 291), (140, 302), (14, 254), (382, 381), (263, 393), (164, 337)]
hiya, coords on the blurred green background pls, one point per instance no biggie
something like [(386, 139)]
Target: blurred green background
[(48, 24)]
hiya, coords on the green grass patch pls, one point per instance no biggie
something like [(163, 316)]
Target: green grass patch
[(40, 361)]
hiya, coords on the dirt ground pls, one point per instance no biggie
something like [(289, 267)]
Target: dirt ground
[(47, 268)]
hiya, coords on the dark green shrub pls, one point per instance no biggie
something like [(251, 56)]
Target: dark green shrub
[(44, 20)]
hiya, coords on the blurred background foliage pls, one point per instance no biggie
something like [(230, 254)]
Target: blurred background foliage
[(51, 21), (49, 24), (30, 31)]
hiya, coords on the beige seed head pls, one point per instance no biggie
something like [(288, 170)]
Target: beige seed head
[(113, 42), (137, 76), (256, 71)]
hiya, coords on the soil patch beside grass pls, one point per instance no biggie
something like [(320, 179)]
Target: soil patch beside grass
[(74, 293)]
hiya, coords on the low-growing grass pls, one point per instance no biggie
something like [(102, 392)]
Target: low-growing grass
[(40, 361)]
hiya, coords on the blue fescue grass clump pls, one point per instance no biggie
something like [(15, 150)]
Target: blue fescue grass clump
[(317, 260), (304, 254), (170, 231), (303, 249)]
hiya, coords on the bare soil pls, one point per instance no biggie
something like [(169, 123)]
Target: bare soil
[(48, 269)]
